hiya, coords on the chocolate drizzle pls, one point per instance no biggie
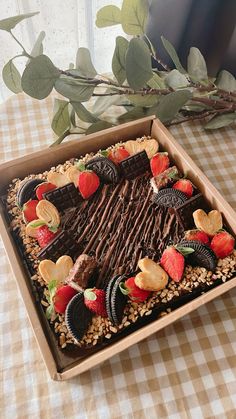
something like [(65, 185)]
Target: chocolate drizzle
[(120, 225)]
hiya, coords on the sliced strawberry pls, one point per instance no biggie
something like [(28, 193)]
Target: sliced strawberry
[(173, 263), (29, 210), (222, 244), (198, 235), (159, 163), (185, 186), (62, 297), (94, 299), (118, 154), (44, 235), (88, 183), (135, 293), (43, 188)]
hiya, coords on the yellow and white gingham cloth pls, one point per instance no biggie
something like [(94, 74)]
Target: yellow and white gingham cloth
[(187, 370)]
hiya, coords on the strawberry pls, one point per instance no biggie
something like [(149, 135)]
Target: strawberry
[(44, 235), (94, 299), (118, 154), (159, 163), (198, 235), (88, 183), (43, 188), (222, 244), (29, 210), (62, 297), (135, 293), (173, 263), (185, 186)]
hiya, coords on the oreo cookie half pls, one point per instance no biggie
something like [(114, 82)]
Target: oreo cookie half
[(202, 255), (115, 300), (104, 168), (169, 197), (27, 191), (77, 316)]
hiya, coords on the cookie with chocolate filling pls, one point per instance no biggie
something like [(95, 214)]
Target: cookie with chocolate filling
[(77, 316), (202, 255), (169, 197), (115, 300), (104, 168), (26, 191)]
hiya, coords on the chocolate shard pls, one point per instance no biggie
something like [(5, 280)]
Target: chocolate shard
[(164, 179), (82, 271), (202, 255), (64, 197), (62, 244), (170, 198), (26, 191), (77, 316), (135, 165), (184, 212), (106, 170), (115, 300)]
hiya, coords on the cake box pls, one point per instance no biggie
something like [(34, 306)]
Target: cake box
[(62, 366)]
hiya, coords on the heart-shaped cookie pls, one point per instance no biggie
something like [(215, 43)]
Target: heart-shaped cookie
[(57, 271), (150, 146), (152, 277), (209, 223), (58, 179)]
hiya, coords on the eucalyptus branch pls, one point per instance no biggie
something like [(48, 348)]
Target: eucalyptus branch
[(154, 55), (25, 53), (199, 116)]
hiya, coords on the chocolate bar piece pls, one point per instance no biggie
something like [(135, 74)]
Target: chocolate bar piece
[(62, 244), (104, 168), (184, 212), (64, 197), (135, 165)]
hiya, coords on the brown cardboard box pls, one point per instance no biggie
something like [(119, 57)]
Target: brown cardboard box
[(61, 366)]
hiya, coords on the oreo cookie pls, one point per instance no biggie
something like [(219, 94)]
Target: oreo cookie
[(184, 212), (26, 191), (104, 168), (65, 197), (115, 300), (168, 197), (62, 244), (202, 255), (135, 165), (77, 316)]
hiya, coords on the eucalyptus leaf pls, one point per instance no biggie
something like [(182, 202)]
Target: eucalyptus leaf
[(170, 104), (72, 117), (108, 16), (9, 23), (39, 77), (84, 63), (61, 119), (118, 60), (143, 100), (156, 82), (138, 64), (38, 46), (173, 55), (99, 126), (105, 102), (135, 113), (83, 113), (197, 68), (176, 80), (12, 77), (226, 81), (73, 90), (134, 15), (220, 121)]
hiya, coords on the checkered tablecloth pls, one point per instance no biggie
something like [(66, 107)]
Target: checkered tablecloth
[(187, 370)]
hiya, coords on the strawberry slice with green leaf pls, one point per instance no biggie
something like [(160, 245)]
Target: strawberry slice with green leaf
[(172, 260), (116, 155)]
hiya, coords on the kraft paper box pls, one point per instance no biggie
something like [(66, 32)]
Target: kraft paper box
[(62, 365)]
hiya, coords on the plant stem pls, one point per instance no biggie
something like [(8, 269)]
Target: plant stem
[(197, 117), (19, 43), (154, 55)]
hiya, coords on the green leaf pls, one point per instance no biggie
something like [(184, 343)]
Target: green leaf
[(197, 68), (143, 100), (83, 113), (89, 294), (170, 104), (176, 80), (220, 121), (80, 166), (84, 63), (108, 16), (173, 55), (52, 286), (72, 117), (185, 251), (99, 126), (156, 82), (39, 77), (138, 64), (9, 23), (61, 119), (135, 113), (12, 77), (226, 81), (134, 14), (74, 90), (124, 289), (49, 311), (37, 223), (118, 60), (105, 102), (38, 46)]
